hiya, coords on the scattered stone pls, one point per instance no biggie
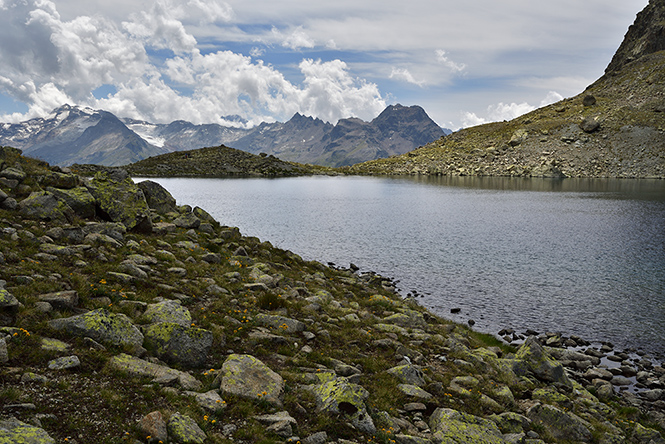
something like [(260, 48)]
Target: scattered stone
[(184, 430), (65, 363)]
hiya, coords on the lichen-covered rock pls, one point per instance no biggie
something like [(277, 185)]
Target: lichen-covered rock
[(168, 311), (187, 221), (539, 362), (204, 215), (8, 307), (562, 425), (511, 422), (247, 377), (339, 396), (57, 179), (184, 430), (188, 346), (451, 426), (120, 200), (79, 200), (160, 373), (45, 206), (158, 197), (13, 431), (102, 326), (281, 323)]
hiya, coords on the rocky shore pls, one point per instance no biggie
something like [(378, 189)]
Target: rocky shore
[(127, 318)]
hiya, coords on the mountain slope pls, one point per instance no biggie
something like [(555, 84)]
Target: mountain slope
[(77, 135), (616, 128)]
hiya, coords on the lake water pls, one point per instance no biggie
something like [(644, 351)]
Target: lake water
[(584, 257)]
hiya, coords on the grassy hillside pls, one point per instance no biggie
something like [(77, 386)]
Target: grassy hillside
[(620, 132)]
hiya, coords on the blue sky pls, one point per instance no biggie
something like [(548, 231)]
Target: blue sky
[(196, 60)]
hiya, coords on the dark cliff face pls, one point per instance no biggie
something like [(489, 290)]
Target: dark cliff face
[(645, 36)]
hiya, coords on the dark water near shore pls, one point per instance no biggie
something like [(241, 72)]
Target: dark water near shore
[(584, 257)]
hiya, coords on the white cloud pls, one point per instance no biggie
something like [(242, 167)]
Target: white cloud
[(256, 52), (296, 40), (550, 98), (453, 66), (503, 111), (404, 75)]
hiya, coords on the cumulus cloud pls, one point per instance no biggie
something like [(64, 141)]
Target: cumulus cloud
[(296, 40), (404, 75), (62, 61)]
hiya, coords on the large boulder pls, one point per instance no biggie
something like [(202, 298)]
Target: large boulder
[(247, 377), (119, 199), (8, 307), (45, 206), (174, 343), (562, 425), (79, 200), (339, 396), (158, 197), (16, 432), (408, 374), (168, 311), (534, 358), (160, 373), (102, 326), (451, 426)]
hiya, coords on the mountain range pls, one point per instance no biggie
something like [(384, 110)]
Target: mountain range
[(73, 134)]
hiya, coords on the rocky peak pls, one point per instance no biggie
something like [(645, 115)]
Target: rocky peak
[(645, 36)]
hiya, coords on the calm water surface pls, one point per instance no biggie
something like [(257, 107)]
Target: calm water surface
[(583, 257)]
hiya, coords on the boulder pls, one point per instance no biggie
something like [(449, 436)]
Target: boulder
[(184, 430), (45, 206), (158, 197), (590, 124), (159, 373), (511, 422), (536, 360), (13, 173), (153, 425), (339, 396), (247, 377), (79, 200), (449, 425), (204, 215), (282, 323), (59, 180), (168, 311), (187, 221), (187, 346), (102, 326), (120, 200), (14, 431), (562, 425), (61, 299), (8, 307), (64, 363)]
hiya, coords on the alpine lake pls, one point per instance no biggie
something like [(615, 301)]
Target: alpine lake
[(581, 257)]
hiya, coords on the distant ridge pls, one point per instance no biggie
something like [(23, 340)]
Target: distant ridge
[(73, 134)]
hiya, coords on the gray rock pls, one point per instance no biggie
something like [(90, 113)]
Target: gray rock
[(247, 377), (157, 197), (590, 124), (4, 355), (102, 326), (168, 311), (44, 206), (538, 361), (339, 396), (61, 299), (282, 323), (409, 374), (8, 307), (510, 422), (153, 425), (184, 430), (210, 400), (78, 199), (562, 425), (414, 391), (14, 431), (9, 204), (187, 346), (160, 373), (64, 363), (316, 438), (449, 425), (187, 221)]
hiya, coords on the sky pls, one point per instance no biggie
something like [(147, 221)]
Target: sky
[(210, 61)]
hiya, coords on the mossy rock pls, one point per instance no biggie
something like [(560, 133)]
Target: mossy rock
[(79, 200), (168, 311), (45, 206), (540, 363), (339, 396), (560, 424), (449, 425), (247, 377), (13, 431), (174, 343), (102, 326), (184, 430), (157, 197), (121, 200)]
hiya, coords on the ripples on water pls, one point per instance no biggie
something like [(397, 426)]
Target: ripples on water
[(583, 257)]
